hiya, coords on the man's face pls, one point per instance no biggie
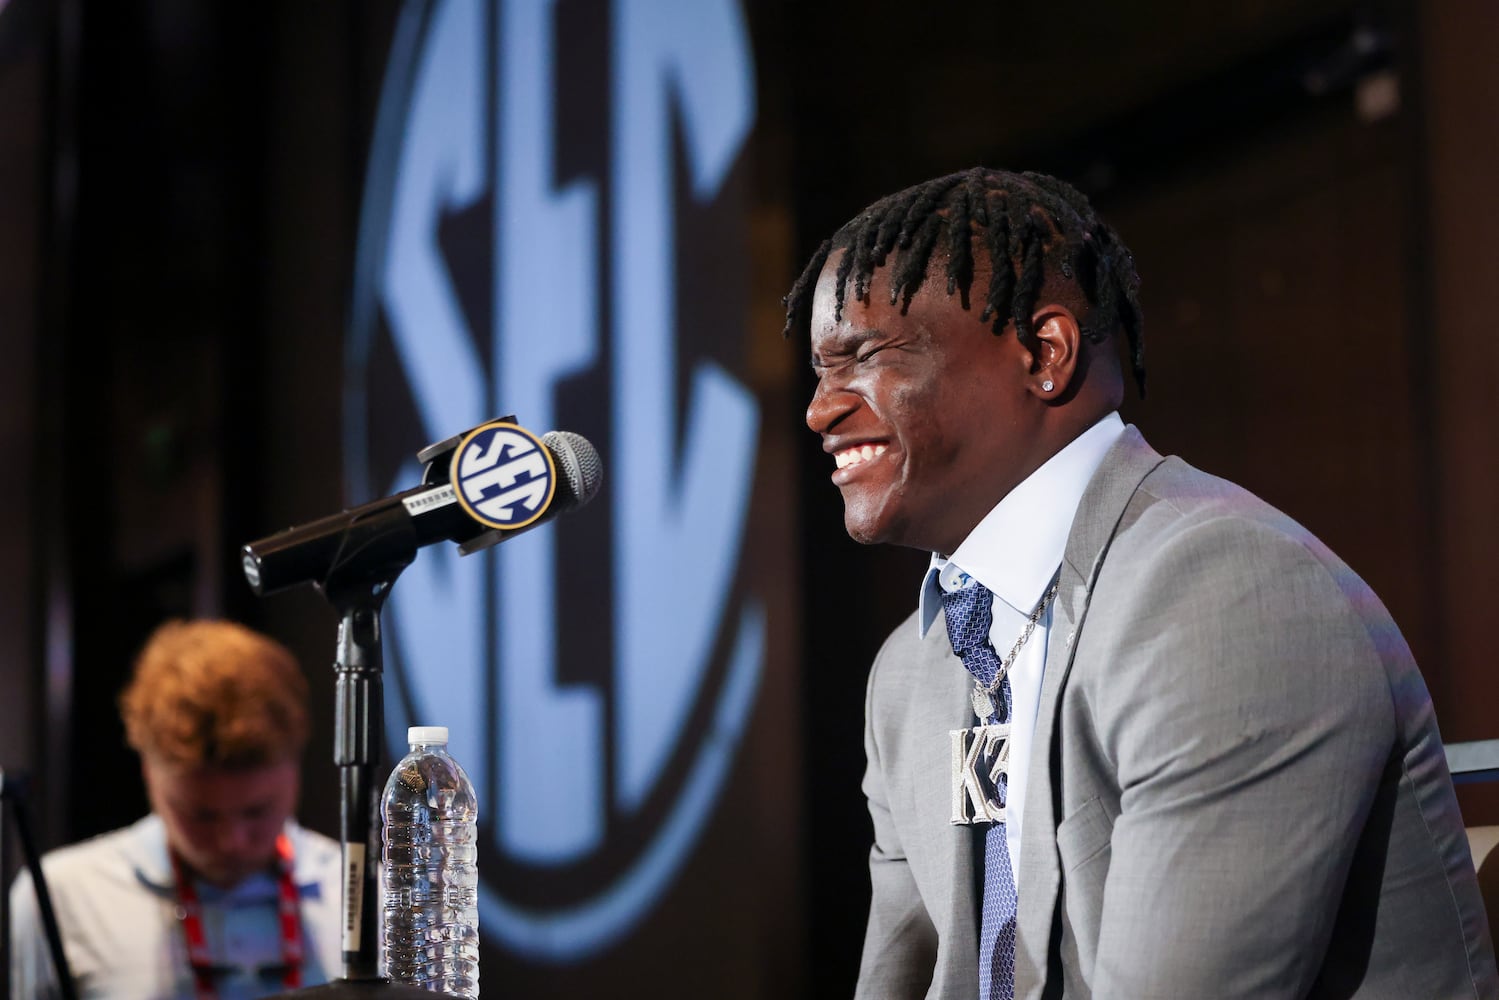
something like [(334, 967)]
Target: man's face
[(927, 414), (223, 823)]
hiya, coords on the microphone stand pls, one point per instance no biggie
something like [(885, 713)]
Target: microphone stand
[(373, 553), (13, 804), (373, 549)]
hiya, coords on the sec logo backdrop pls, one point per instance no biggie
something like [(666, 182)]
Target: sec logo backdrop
[(521, 251)]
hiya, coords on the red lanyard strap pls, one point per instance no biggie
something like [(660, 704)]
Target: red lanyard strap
[(190, 914)]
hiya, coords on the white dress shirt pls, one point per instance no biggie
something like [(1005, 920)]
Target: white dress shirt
[(1015, 551)]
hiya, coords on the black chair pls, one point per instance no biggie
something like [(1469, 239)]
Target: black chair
[(1478, 760)]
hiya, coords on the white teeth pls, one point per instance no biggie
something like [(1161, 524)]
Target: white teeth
[(853, 456)]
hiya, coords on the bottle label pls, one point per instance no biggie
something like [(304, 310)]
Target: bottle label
[(353, 894)]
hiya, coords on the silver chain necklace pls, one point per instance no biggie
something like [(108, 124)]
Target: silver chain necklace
[(983, 695)]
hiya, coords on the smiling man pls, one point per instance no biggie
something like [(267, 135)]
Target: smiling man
[(216, 893), (1144, 736)]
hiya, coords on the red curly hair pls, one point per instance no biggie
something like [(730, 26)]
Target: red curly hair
[(215, 693)]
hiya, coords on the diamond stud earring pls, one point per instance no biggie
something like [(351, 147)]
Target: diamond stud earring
[(1047, 386)]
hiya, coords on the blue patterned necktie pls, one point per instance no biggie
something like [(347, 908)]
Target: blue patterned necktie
[(970, 613)]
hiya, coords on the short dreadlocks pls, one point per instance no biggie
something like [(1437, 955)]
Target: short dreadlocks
[(1037, 223)]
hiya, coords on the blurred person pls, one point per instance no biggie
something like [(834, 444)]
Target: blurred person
[(217, 892), (1145, 736)]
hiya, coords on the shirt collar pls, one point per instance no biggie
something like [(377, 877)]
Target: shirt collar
[(1017, 547)]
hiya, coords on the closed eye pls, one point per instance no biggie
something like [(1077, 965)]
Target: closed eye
[(852, 349)]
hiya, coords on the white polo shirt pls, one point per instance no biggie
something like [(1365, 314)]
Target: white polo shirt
[(116, 908)]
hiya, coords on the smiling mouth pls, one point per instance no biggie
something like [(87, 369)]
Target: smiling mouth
[(850, 457)]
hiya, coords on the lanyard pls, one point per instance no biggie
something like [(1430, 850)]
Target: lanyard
[(190, 913)]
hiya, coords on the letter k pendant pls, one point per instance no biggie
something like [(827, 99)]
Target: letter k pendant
[(980, 757)]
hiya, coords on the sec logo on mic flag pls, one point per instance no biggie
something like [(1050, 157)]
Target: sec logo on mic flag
[(504, 475)]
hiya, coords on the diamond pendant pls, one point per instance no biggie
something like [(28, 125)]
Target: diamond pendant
[(983, 705)]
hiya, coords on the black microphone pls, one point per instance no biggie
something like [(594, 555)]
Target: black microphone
[(479, 488)]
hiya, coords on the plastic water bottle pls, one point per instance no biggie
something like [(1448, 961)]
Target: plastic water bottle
[(429, 878)]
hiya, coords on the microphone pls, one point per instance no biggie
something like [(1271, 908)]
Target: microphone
[(478, 488)]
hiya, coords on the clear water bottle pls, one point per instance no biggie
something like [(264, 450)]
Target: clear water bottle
[(429, 877)]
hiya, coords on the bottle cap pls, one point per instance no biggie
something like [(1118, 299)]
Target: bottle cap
[(427, 734)]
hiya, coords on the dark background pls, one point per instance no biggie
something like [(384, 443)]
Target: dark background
[(1305, 185)]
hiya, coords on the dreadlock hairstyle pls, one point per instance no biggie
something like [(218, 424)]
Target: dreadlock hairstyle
[(1034, 223)]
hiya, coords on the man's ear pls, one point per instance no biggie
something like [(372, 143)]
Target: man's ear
[(148, 782), (1056, 361)]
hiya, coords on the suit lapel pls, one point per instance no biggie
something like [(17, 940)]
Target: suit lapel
[(1103, 504), (953, 846)]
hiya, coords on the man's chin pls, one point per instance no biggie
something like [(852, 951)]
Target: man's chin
[(867, 530), (860, 532)]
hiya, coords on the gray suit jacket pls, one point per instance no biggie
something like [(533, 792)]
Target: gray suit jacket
[(1237, 788)]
